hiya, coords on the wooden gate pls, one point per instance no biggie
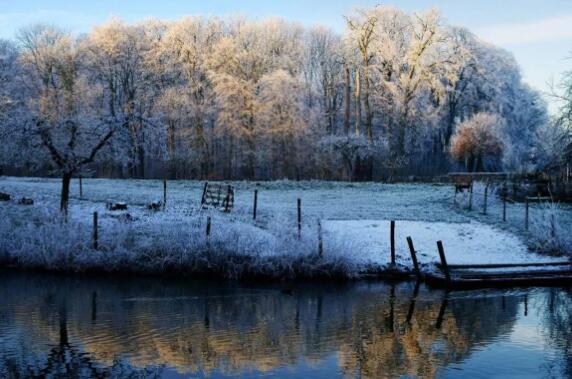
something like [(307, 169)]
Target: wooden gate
[(218, 196)]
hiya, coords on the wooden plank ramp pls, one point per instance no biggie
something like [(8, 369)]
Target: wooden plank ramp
[(494, 275)]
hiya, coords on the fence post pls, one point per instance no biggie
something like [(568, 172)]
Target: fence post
[(444, 265), (208, 232), (414, 257), (81, 187), (299, 217), (227, 199), (392, 241), (486, 199), (504, 196), (552, 226), (255, 204), (320, 240), (164, 193), (471, 196), (526, 213), (95, 232), (204, 193)]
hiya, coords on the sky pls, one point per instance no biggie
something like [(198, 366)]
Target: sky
[(537, 32)]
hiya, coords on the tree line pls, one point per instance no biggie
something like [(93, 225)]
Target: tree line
[(395, 94)]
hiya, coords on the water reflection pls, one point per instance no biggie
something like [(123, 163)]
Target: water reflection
[(90, 327)]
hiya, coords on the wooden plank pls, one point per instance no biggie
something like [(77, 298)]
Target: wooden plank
[(506, 265)]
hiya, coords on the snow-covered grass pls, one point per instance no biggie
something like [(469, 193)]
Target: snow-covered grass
[(549, 222), (355, 229)]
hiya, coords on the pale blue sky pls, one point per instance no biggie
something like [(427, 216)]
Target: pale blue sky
[(539, 33)]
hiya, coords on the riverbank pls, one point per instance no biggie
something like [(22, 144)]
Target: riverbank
[(354, 220)]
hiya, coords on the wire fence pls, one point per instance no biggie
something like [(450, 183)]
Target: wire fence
[(546, 223)]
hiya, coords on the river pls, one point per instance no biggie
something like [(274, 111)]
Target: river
[(60, 326)]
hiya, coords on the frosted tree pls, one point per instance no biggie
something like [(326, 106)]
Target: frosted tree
[(64, 117), (362, 33), (211, 98), (187, 48), (115, 54), (477, 142), (412, 59), (280, 119), (8, 71)]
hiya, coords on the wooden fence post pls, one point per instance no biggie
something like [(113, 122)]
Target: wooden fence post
[(414, 257), (504, 196), (471, 196), (164, 193), (552, 226), (526, 205), (392, 241), (81, 187), (444, 265), (208, 232), (204, 193), (255, 204), (227, 199), (95, 232), (320, 240), (486, 199), (299, 217)]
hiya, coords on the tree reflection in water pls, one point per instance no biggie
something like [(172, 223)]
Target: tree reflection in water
[(52, 326)]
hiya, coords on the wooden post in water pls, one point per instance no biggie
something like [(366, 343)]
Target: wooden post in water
[(486, 199), (299, 217), (392, 241), (95, 231), (526, 205), (320, 241), (444, 265), (414, 257), (81, 187), (255, 204)]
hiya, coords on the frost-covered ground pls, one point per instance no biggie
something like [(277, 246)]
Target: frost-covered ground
[(355, 233)]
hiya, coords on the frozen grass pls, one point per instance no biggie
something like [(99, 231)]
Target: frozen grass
[(550, 222), (174, 240)]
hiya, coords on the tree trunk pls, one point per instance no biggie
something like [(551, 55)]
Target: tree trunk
[(347, 100), (368, 115), (65, 195), (358, 103)]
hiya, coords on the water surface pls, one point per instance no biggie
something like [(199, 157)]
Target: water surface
[(148, 327)]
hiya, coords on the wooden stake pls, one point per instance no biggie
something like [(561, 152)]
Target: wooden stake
[(95, 231), (164, 193), (392, 241), (320, 241), (203, 200), (486, 198), (299, 217), (81, 187), (414, 257), (208, 234), (504, 205), (552, 226), (444, 265), (471, 197), (255, 204), (526, 205)]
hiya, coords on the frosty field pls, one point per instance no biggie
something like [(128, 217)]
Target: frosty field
[(354, 220)]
